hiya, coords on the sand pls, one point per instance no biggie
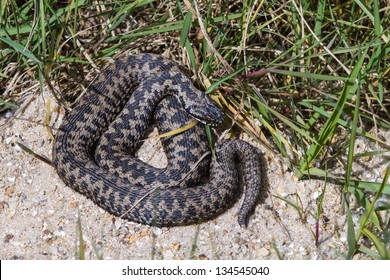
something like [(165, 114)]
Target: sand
[(39, 214)]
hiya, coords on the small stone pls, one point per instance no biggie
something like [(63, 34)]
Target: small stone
[(202, 257), (98, 246), (367, 175), (303, 251), (59, 233), (118, 224), (131, 238), (54, 250), (41, 144), (9, 191), (169, 255), (2, 206), (311, 220), (263, 252), (157, 231), (17, 148), (240, 240), (316, 194), (27, 204), (175, 246), (11, 179), (98, 251), (23, 196), (267, 207), (8, 238), (366, 158), (279, 191), (8, 114), (73, 204), (36, 200)]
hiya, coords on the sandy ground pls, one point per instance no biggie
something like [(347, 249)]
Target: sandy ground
[(39, 214)]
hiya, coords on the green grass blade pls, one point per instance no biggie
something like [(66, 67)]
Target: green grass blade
[(341, 122), (320, 18), (330, 126), (379, 245), (22, 50), (80, 253), (351, 149), (353, 184), (186, 28), (369, 252), (351, 237), (2, 102)]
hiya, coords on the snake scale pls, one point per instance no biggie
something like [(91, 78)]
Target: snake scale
[(94, 149)]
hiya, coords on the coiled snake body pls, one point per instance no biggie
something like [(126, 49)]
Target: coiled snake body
[(94, 148)]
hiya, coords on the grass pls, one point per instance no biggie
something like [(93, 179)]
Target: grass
[(304, 78)]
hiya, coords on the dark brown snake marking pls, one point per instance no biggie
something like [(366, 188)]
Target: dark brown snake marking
[(113, 117)]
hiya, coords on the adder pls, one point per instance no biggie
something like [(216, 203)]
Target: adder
[(94, 149)]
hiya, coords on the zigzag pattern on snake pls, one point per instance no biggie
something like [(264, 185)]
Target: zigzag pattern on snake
[(93, 152)]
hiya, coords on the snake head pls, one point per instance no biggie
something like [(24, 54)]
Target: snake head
[(206, 112)]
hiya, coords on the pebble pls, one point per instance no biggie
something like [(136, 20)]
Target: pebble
[(117, 224), (41, 144), (303, 251), (53, 250), (157, 231), (27, 204), (11, 179), (264, 252), (59, 233), (311, 220), (367, 174), (8, 114), (23, 196), (9, 191), (17, 148), (169, 255), (8, 140), (316, 194), (16, 243), (175, 246)]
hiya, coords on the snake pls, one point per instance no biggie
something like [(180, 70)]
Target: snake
[(94, 150)]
